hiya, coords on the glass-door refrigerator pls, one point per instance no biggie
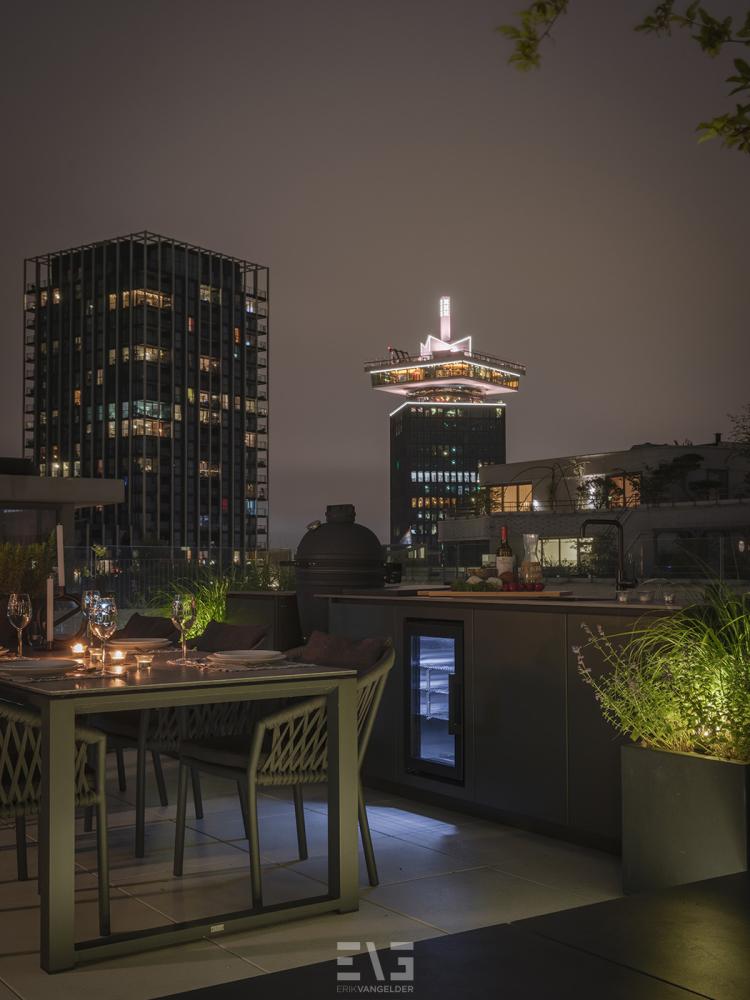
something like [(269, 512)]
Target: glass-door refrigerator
[(435, 677)]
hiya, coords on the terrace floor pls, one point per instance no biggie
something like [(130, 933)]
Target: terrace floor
[(440, 873)]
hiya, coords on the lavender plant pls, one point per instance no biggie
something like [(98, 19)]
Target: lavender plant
[(679, 682)]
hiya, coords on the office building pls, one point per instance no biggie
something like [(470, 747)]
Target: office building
[(146, 360)]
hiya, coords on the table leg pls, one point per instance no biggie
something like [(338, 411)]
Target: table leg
[(57, 837), (343, 783)]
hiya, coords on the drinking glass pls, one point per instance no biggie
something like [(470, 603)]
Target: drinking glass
[(88, 600), (19, 615), (104, 622), (183, 618)]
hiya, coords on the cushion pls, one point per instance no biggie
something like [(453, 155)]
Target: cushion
[(339, 651), (147, 627), (220, 636)]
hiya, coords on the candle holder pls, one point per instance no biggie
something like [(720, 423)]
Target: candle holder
[(143, 662)]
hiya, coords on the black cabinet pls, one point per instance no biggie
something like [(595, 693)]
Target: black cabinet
[(519, 713), (593, 745), (384, 760)]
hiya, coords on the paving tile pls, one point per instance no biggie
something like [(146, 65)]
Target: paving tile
[(188, 898), (202, 854), (19, 922), (136, 977), (592, 874), (301, 942), (397, 861), (6, 993), (464, 900)]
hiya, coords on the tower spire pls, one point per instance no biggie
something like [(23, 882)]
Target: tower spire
[(445, 318)]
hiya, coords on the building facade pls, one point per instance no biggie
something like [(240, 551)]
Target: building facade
[(684, 509), (146, 360), (448, 424)]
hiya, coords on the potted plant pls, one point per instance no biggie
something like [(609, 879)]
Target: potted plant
[(678, 686), (23, 569)]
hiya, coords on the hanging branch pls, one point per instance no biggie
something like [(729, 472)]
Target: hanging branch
[(712, 34)]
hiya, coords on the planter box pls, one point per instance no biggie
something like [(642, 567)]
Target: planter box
[(684, 818)]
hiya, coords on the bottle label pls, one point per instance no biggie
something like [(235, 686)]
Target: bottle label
[(504, 564)]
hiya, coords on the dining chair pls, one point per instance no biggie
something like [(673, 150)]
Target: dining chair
[(161, 730), (21, 784), (288, 747)]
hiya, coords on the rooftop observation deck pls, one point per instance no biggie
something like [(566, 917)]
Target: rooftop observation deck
[(408, 374)]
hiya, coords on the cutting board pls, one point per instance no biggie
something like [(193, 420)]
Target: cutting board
[(495, 594)]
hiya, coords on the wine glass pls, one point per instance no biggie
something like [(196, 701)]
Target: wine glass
[(183, 618), (103, 618), (88, 600), (19, 615)]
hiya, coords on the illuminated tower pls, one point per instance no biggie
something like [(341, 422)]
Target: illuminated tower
[(449, 423)]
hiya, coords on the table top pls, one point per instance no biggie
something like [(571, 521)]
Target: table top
[(163, 675)]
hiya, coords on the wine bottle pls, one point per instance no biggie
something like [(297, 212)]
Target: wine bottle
[(504, 559)]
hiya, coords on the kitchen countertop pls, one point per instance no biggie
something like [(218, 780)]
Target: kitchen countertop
[(569, 604)]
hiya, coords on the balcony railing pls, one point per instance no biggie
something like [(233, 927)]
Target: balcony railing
[(447, 357)]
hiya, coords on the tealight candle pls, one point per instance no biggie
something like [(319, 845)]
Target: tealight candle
[(118, 654), (78, 649), (143, 661)]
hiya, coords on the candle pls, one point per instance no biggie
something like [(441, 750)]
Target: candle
[(60, 558), (78, 649), (118, 654), (50, 609)]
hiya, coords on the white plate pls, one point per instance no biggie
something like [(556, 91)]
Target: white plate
[(246, 656), (140, 643), (39, 668)]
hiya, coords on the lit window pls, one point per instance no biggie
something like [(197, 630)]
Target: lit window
[(209, 294), (145, 296), (511, 497), (99, 376), (112, 300), (76, 397), (56, 297), (250, 439), (191, 324)]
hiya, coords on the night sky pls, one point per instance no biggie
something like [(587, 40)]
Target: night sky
[(377, 155)]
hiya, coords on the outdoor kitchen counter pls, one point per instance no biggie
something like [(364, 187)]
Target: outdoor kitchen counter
[(632, 607), (536, 751)]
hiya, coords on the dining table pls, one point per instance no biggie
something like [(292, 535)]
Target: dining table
[(60, 700)]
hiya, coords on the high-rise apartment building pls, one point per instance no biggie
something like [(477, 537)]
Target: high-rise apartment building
[(447, 426), (146, 360)]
